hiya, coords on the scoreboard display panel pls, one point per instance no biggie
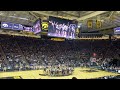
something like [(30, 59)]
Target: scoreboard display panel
[(62, 27), (37, 26)]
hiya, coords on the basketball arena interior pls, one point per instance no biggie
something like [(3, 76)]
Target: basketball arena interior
[(59, 44)]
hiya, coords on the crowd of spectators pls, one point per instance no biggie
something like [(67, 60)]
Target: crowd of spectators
[(23, 53)]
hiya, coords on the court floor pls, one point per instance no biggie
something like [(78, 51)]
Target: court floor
[(80, 73)]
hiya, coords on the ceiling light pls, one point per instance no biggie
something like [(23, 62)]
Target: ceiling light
[(102, 20), (118, 11), (78, 26), (1, 13)]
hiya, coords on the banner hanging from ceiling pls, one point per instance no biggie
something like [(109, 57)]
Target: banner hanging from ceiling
[(98, 24), (90, 23)]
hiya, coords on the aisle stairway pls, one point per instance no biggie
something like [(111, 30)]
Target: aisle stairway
[(20, 51), (3, 56)]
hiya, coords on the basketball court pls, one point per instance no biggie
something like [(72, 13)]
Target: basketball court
[(80, 73)]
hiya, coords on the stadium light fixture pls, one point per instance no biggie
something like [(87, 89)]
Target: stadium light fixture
[(1, 13)]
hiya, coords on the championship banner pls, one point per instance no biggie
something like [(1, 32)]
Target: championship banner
[(45, 25), (90, 23), (98, 24)]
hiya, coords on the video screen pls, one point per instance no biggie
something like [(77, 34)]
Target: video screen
[(117, 30), (62, 27), (12, 26), (37, 26), (6, 25)]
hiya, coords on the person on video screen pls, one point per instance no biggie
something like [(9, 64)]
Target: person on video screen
[(50, 26), (57, 28), (52, 29), (66, 28), (63, 29), (60, 29), (69, 33), (72, 31)]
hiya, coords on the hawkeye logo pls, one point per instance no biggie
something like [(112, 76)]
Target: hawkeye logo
[(5, 25), (44, 25)]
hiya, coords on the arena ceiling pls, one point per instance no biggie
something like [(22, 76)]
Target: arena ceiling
[(109, 19)]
